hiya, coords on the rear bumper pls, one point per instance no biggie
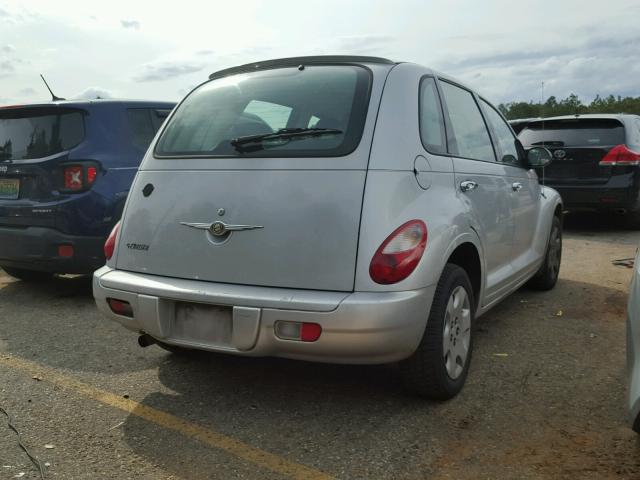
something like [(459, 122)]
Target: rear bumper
[(36, 248), (359, 327), (602, 198)]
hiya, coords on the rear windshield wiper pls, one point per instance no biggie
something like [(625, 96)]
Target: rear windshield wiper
[(284, 134), (554, 143)]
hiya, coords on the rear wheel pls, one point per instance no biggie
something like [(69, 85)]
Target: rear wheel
[(28, 275), (547, 276), (439, 367)]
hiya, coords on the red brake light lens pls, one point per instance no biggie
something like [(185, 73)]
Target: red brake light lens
[(73, 178), (92, 173), (399, 254), (110, 244), (620, 155)]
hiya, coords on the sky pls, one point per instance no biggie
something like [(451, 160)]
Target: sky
[(142, 49)]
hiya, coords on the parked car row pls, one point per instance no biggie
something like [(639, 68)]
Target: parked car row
[(334, 209)]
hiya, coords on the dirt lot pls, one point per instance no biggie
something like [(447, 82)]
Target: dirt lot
[(545, 397)]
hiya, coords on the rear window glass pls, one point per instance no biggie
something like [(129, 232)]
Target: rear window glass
[(36, 133), (574, 133), (265, 102)]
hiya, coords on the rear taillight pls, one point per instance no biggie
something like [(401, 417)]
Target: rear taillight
[(79, 177), (399, 254), (620, 155), (73, 178), (110, 244)]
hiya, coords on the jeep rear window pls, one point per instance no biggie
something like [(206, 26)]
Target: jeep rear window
[(28, 133), (583, 132), (264, 102)]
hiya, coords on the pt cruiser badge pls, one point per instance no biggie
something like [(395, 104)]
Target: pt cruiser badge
[(219, 229)]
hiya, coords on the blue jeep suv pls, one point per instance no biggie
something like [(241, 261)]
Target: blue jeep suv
[(65, 170)]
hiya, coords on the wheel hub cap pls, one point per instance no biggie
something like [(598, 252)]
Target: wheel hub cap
[(457, 332)]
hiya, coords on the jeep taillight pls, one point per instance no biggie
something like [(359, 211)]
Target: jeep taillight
[(110, 244), (399, 254), (620, 155), (79, 177)]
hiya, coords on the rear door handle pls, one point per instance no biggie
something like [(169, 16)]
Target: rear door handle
[(516, 187), (468, 185)]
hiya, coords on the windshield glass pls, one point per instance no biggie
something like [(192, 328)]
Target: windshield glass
[(574, 133), (265, 102), (36, 133)]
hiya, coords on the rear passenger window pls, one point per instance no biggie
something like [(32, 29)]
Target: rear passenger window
[(144, 123), (469, 130), (141, 126), (158, 117), (506, 139), (431, 121)]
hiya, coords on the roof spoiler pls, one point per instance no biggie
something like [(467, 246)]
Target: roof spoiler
[(295, 61)]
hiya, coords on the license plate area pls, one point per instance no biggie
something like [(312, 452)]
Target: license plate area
[(9, 188), (204, 324)]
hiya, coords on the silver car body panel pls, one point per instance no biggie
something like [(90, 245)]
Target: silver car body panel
[(633, 346), (327, 282)]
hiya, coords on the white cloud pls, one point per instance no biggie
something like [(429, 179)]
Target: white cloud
[(91, 93), (134, 24), (165, 70)]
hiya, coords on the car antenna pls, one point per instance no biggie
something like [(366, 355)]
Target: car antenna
[(53, 96)]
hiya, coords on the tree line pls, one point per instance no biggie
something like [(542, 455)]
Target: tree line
[(569, 106)]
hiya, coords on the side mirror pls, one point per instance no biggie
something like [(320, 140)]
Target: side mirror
[(538, 157)]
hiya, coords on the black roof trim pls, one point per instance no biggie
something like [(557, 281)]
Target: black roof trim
[(295, 61)]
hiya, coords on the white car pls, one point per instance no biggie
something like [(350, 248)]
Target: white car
[(333, 209)]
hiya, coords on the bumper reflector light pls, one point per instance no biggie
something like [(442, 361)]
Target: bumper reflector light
[(120, 307), (65, 251), (302, 332)]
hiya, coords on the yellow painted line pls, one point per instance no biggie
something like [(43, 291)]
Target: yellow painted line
[(209, 437)]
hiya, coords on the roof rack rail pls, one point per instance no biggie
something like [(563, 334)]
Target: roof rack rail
[(295, 61)]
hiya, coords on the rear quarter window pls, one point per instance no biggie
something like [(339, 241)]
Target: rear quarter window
[(432, 130), (579, 132)]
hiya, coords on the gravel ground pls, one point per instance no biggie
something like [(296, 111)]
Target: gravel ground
[(545, 396)]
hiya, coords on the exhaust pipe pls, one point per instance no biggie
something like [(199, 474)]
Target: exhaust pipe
[(146, 340)]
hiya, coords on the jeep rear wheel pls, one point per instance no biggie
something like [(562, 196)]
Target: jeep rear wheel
[(439, 366)]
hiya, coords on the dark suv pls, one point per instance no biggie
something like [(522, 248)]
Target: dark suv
[(596, 163), (65, 171)]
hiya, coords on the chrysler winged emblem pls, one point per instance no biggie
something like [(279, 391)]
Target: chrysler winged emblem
[(219, 229)]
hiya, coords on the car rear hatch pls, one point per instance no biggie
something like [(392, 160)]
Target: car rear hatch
[(34, 146), (578, 145), (279, 211)]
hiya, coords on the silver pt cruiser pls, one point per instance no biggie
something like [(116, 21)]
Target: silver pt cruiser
[(333, 209)]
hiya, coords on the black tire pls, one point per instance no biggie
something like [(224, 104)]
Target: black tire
[(547, 276), (28, 275), (425, 372)]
